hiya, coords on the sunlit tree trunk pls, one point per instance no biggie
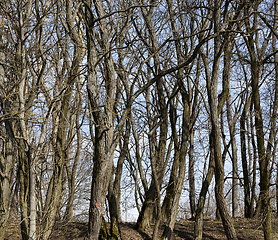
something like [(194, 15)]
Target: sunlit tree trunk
[(182, 167), (6, 160), (147, 210), (253, 157), (71, 172), (21, 128), (170, 190), (191, 176), (157, 151), (6, 155), (215, 132), (274, 43), (263, 205), (231, 123), (55, 191), (104, 122), (114, 190)]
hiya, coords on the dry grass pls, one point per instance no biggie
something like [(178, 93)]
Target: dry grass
[(247, 229)]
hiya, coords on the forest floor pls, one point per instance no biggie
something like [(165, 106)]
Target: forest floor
[(247, 229)]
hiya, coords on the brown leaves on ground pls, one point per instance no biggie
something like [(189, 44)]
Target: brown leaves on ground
[(247, 229)]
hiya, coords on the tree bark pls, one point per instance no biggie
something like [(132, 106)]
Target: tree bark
[(59, 157), (23, 175), (198, 226), (243, 119), (6, 160), (6, 156), (264, 160), (157, 152), (114, 191), (104, 144), (182, 167), (33, 199), (274, 42), (231, 123), (170, 190), (215, 132), (191, 176), (276, 189)]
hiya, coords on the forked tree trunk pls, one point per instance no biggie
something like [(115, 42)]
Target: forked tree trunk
[(256, 57), (170, 190), (215, 132), (264, 158), (157, 153), (146, 214), (104, 143), (55, 190), (168, 230), (74, 126), (114, 190)]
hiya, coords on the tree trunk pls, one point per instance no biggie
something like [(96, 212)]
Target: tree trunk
[(145, 216), (276, 189), (226, 81), (6, 161), (274, 42), (157, 152), (23, 175), (6, 156), (215, 132), (32, 196), (71, 173), (59, 157), (170, 190), (115, 232), (101, 174), (243, 119), (114, 190), (263, 205), (104, 143), (198, 226), (252, 163), (191, 176), (182, 167)]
